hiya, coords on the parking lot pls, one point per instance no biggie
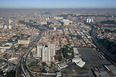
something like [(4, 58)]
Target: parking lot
[(92, 57)]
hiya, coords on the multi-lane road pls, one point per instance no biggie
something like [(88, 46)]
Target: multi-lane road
[(22, 60)]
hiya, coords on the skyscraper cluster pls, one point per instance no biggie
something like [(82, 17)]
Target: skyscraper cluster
[(46, 52), (90, 20)]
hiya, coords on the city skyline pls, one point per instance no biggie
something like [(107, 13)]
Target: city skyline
[(57, 4), (57, 41)]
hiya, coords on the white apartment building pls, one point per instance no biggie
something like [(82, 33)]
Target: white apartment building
[(46, 52)]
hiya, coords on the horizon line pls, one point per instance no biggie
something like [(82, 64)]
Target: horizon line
[(56, 8)]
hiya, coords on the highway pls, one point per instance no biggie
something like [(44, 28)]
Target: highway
[(25, 55), (31, 46)]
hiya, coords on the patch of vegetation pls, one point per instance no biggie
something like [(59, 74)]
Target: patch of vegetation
[(33, 24), (1, 72), (108, 22), (44, 64), (109, 30), (6, 56), (29, 24), (109, 45), (31, 54), (19, 46), (19, 72), (24, 66), (10, 74), (33, 65), (65, 52), (82, 70), (1, 61), (43, 70)]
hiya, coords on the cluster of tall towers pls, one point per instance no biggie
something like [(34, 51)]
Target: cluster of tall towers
[(46, 52), (90, 20)]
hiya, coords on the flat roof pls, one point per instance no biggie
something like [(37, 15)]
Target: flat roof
[(75, 51), (62, 65), (80, 63)]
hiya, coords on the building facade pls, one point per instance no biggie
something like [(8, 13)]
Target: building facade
[(46, 52)]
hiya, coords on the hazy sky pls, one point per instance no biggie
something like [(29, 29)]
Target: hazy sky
[(57, 3)]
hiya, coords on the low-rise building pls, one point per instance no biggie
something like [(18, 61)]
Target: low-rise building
[(77, 59), (24, 42), (62, 65), (58, 74)]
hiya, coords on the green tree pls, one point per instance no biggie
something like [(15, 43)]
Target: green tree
[(44, 64), (44, 71), (59, 58), (31, 54)]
